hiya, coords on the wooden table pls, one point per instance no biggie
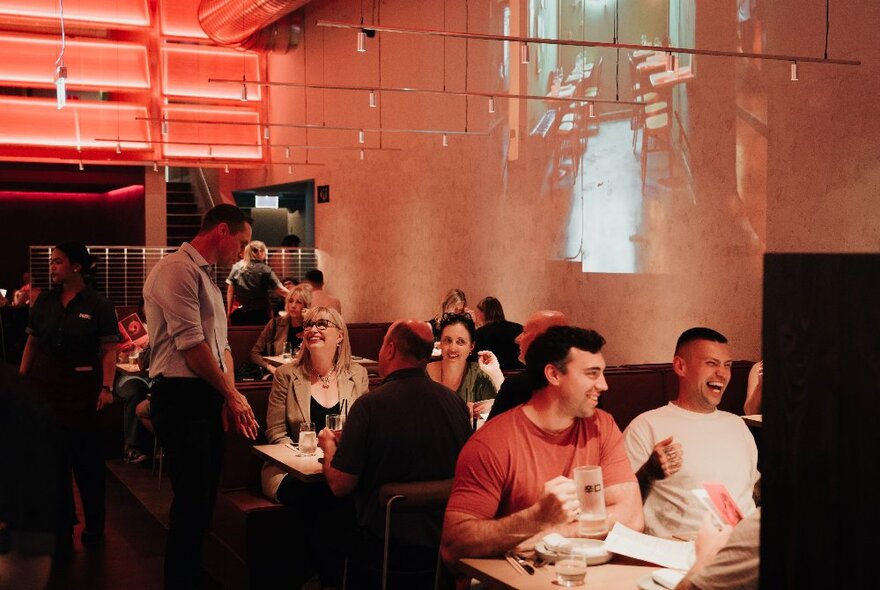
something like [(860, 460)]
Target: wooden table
[(754, 420), (370, 365), (622, 573), (662, 80), (130, 369), (283, 456)]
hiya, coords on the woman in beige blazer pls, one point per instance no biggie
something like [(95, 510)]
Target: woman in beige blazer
[(287, 328), (321, 380)]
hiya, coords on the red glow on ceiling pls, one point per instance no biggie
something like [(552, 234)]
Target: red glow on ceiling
[(249, 135), (37, 122), (180, 18), (187, 69), (134, 13), (90, 64)]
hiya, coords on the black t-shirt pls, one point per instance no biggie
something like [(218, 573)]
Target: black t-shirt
[(294, 336), (408, 429), (253, 282), (500, 338), (516, 389), (73, 334)]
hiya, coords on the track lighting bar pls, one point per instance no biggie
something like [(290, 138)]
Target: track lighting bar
[(577, 43), (489, 95)]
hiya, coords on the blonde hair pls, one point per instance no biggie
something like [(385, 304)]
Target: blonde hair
[(453, 297), (255, 250), (303, 291), (342, 359)]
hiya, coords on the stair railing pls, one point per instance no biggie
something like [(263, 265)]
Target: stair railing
[(202, 190)]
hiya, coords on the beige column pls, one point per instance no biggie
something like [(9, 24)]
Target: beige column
[(155, 208)]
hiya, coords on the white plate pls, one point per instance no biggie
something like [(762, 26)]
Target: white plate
[(647, 583), (592, 548)]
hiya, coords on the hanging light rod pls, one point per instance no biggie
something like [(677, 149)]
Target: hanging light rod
[(254, 145), (576, 43), (313, 126), (489, 95)]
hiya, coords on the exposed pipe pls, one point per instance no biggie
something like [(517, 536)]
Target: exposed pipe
[(252, 24)]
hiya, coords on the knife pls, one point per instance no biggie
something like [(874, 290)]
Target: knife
[(525, 565)]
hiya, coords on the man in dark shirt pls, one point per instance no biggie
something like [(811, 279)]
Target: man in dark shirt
[(517, 389), (408, 429)]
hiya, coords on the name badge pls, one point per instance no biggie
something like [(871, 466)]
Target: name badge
[(85, 316)]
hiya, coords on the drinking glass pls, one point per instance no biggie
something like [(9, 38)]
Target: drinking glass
[(644, 39), (591, 495), (335, 422), (133, 355), (287, 352), (571, 566), (308, 439)]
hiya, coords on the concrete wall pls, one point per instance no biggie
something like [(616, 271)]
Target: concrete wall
[(404, 226)]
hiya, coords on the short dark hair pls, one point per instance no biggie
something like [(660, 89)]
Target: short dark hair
[(698, 333), (464, 319), (290, 240), (410, 344), (491, 308), (553, 346), (77, 253), (231, 215), (315, 276), (291, 279)]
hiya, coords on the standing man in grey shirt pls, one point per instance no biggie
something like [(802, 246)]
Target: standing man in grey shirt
[(194, 397)]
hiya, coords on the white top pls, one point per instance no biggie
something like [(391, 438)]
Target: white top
[(184, 307), (717, 447)]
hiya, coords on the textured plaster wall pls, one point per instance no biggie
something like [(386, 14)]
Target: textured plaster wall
[(404, 226), (824, 168)]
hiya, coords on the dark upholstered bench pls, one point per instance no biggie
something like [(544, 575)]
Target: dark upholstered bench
[(249, 532), (633, 389)]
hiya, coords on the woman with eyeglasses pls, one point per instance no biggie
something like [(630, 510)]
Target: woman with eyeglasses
[(321, 380), (282, 330), (474, 382)]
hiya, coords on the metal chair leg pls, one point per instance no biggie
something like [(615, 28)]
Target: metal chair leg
[(388, 538)]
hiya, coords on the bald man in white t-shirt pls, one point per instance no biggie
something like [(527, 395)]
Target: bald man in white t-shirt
[(678, 447)]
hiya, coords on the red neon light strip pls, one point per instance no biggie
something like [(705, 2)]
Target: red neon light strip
[(90, 64), (180, 18), (186, 71), (205, 134), (133, 13), (37, 122)]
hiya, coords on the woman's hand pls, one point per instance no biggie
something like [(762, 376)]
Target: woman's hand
[(488, 363)]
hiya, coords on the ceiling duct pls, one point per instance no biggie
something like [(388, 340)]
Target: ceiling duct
[(252, 24)]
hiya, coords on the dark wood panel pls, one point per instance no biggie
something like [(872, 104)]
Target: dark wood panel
[(820, 438)]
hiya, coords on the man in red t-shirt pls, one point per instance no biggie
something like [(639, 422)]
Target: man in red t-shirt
[(513, 478)]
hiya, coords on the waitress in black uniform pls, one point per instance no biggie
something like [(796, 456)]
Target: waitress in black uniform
[(70, 358)]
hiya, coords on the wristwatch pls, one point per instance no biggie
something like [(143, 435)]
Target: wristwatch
[(107, 387)]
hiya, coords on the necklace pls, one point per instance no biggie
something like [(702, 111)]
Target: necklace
[(325, 379)]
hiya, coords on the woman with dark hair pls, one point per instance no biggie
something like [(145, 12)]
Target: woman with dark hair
[(497, 334), (70, 358), (474, 382), (250, 282)]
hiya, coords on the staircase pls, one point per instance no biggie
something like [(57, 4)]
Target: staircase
[(183, 213)]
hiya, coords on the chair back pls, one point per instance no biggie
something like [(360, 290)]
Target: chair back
[(415, 495), (412, 496)]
